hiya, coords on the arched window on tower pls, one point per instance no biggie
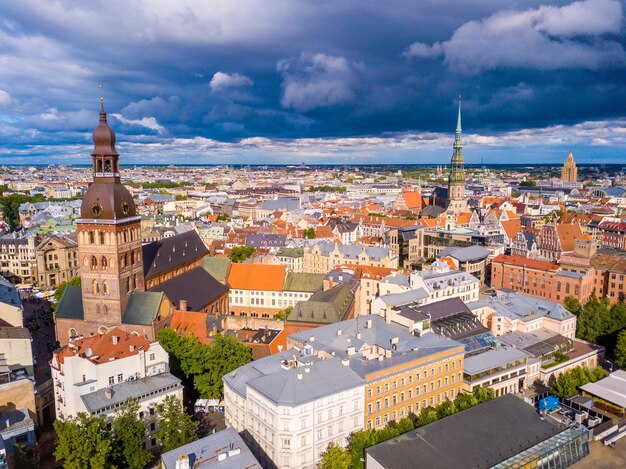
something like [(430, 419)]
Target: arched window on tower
[(107, 166), (105, 287), (104, 263), (95, 288), (101, 234), (127, 284), (94, 263), (124, 236), (125, 259), (98, 165), (91, 237), (132, 257), (73, 333)]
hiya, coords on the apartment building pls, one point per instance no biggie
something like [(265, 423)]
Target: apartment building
[(324, 256), (96, 375), (18, 256), (337, 379), (424, 287), (403, 373)]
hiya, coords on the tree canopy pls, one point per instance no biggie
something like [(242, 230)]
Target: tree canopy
[(177, 427), (83, 442), (567, 384), (204, 364), (128, 434), (240, 253)]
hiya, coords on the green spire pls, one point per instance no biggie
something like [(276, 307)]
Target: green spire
[(457, 175), (458, 120)]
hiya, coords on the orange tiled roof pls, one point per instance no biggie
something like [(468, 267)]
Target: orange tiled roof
[(257, 277), (412, 199), (511, 227), (568, 232), (102, 347), (450, 262), (323, 231), (187, 322), (463, 218), (366, 271)]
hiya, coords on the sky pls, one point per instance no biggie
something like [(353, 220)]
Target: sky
[(316, 81)]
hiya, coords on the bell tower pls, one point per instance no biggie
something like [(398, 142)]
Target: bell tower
[(456, 181), (109, 238)]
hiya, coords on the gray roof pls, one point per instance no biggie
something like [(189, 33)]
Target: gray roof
[(169, 253), (142, 307), (196, 286), (353, 251), (205, 452), (481, 436), (279, 204), (611, 389), (296, 386), (71, 303), (140, 389), (523, 307), (406, 297), (467, 254), (491, 359), (261, 240)]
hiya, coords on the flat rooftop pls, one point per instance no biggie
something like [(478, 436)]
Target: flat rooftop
[(479, 437)]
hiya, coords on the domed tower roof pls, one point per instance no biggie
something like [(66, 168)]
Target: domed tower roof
[(106, 198)]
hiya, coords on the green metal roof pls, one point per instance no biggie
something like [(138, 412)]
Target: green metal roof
[(324, 307), (290, 252), (142, 307), (217, 267), (71, 303), (304, 282)]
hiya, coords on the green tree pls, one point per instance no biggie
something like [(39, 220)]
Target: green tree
[(83, 442), (335, 457), (572, 305), (177, 427), (446, 408), (426, 416), (222, 217), (128, 431), (567, 384), (483, 394), (283, 314), (225, 355), (358, 442), (240, 253), (309, 233), (620, 349)]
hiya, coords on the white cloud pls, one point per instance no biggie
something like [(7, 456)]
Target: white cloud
[(223, 80), (545, 38), (147, 122), (316, 80), (5, 98)]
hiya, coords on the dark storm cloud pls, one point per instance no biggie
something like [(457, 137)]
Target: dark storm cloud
[(254, 77)]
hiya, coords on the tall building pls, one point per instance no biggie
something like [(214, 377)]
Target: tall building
[(453, 197), (124, 284), (569, 173), (456, 181), (109, 233)]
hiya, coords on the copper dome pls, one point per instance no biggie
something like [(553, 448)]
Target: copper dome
[(106, 201), (104, 137)]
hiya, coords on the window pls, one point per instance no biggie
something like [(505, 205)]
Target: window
[(120, 378), (152, 356), (152, 427), (111, 380)]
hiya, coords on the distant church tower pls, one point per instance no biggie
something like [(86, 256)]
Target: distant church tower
[(569, 173), (109, 238), (456, 181)]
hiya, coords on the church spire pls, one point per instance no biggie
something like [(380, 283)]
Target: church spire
[(458, 144)]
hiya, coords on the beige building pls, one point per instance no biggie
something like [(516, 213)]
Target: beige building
[(569, 172), (15, 345), (11, 309), (324, 256), (57, 260)]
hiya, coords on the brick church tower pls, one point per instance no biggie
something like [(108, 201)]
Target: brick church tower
[(456, 181), (109, 238)]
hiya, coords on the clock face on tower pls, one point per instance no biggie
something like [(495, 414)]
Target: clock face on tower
[(125, 208), (96, 210)]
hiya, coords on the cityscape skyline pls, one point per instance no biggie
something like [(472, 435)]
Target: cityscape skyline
[(281, 84)]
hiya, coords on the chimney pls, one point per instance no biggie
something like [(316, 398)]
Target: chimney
[(369, 324), (115, 339), (339, 332), (132, 348), (108, 393), (182, 305), (182, 462), (299, 375), (312, 338)]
